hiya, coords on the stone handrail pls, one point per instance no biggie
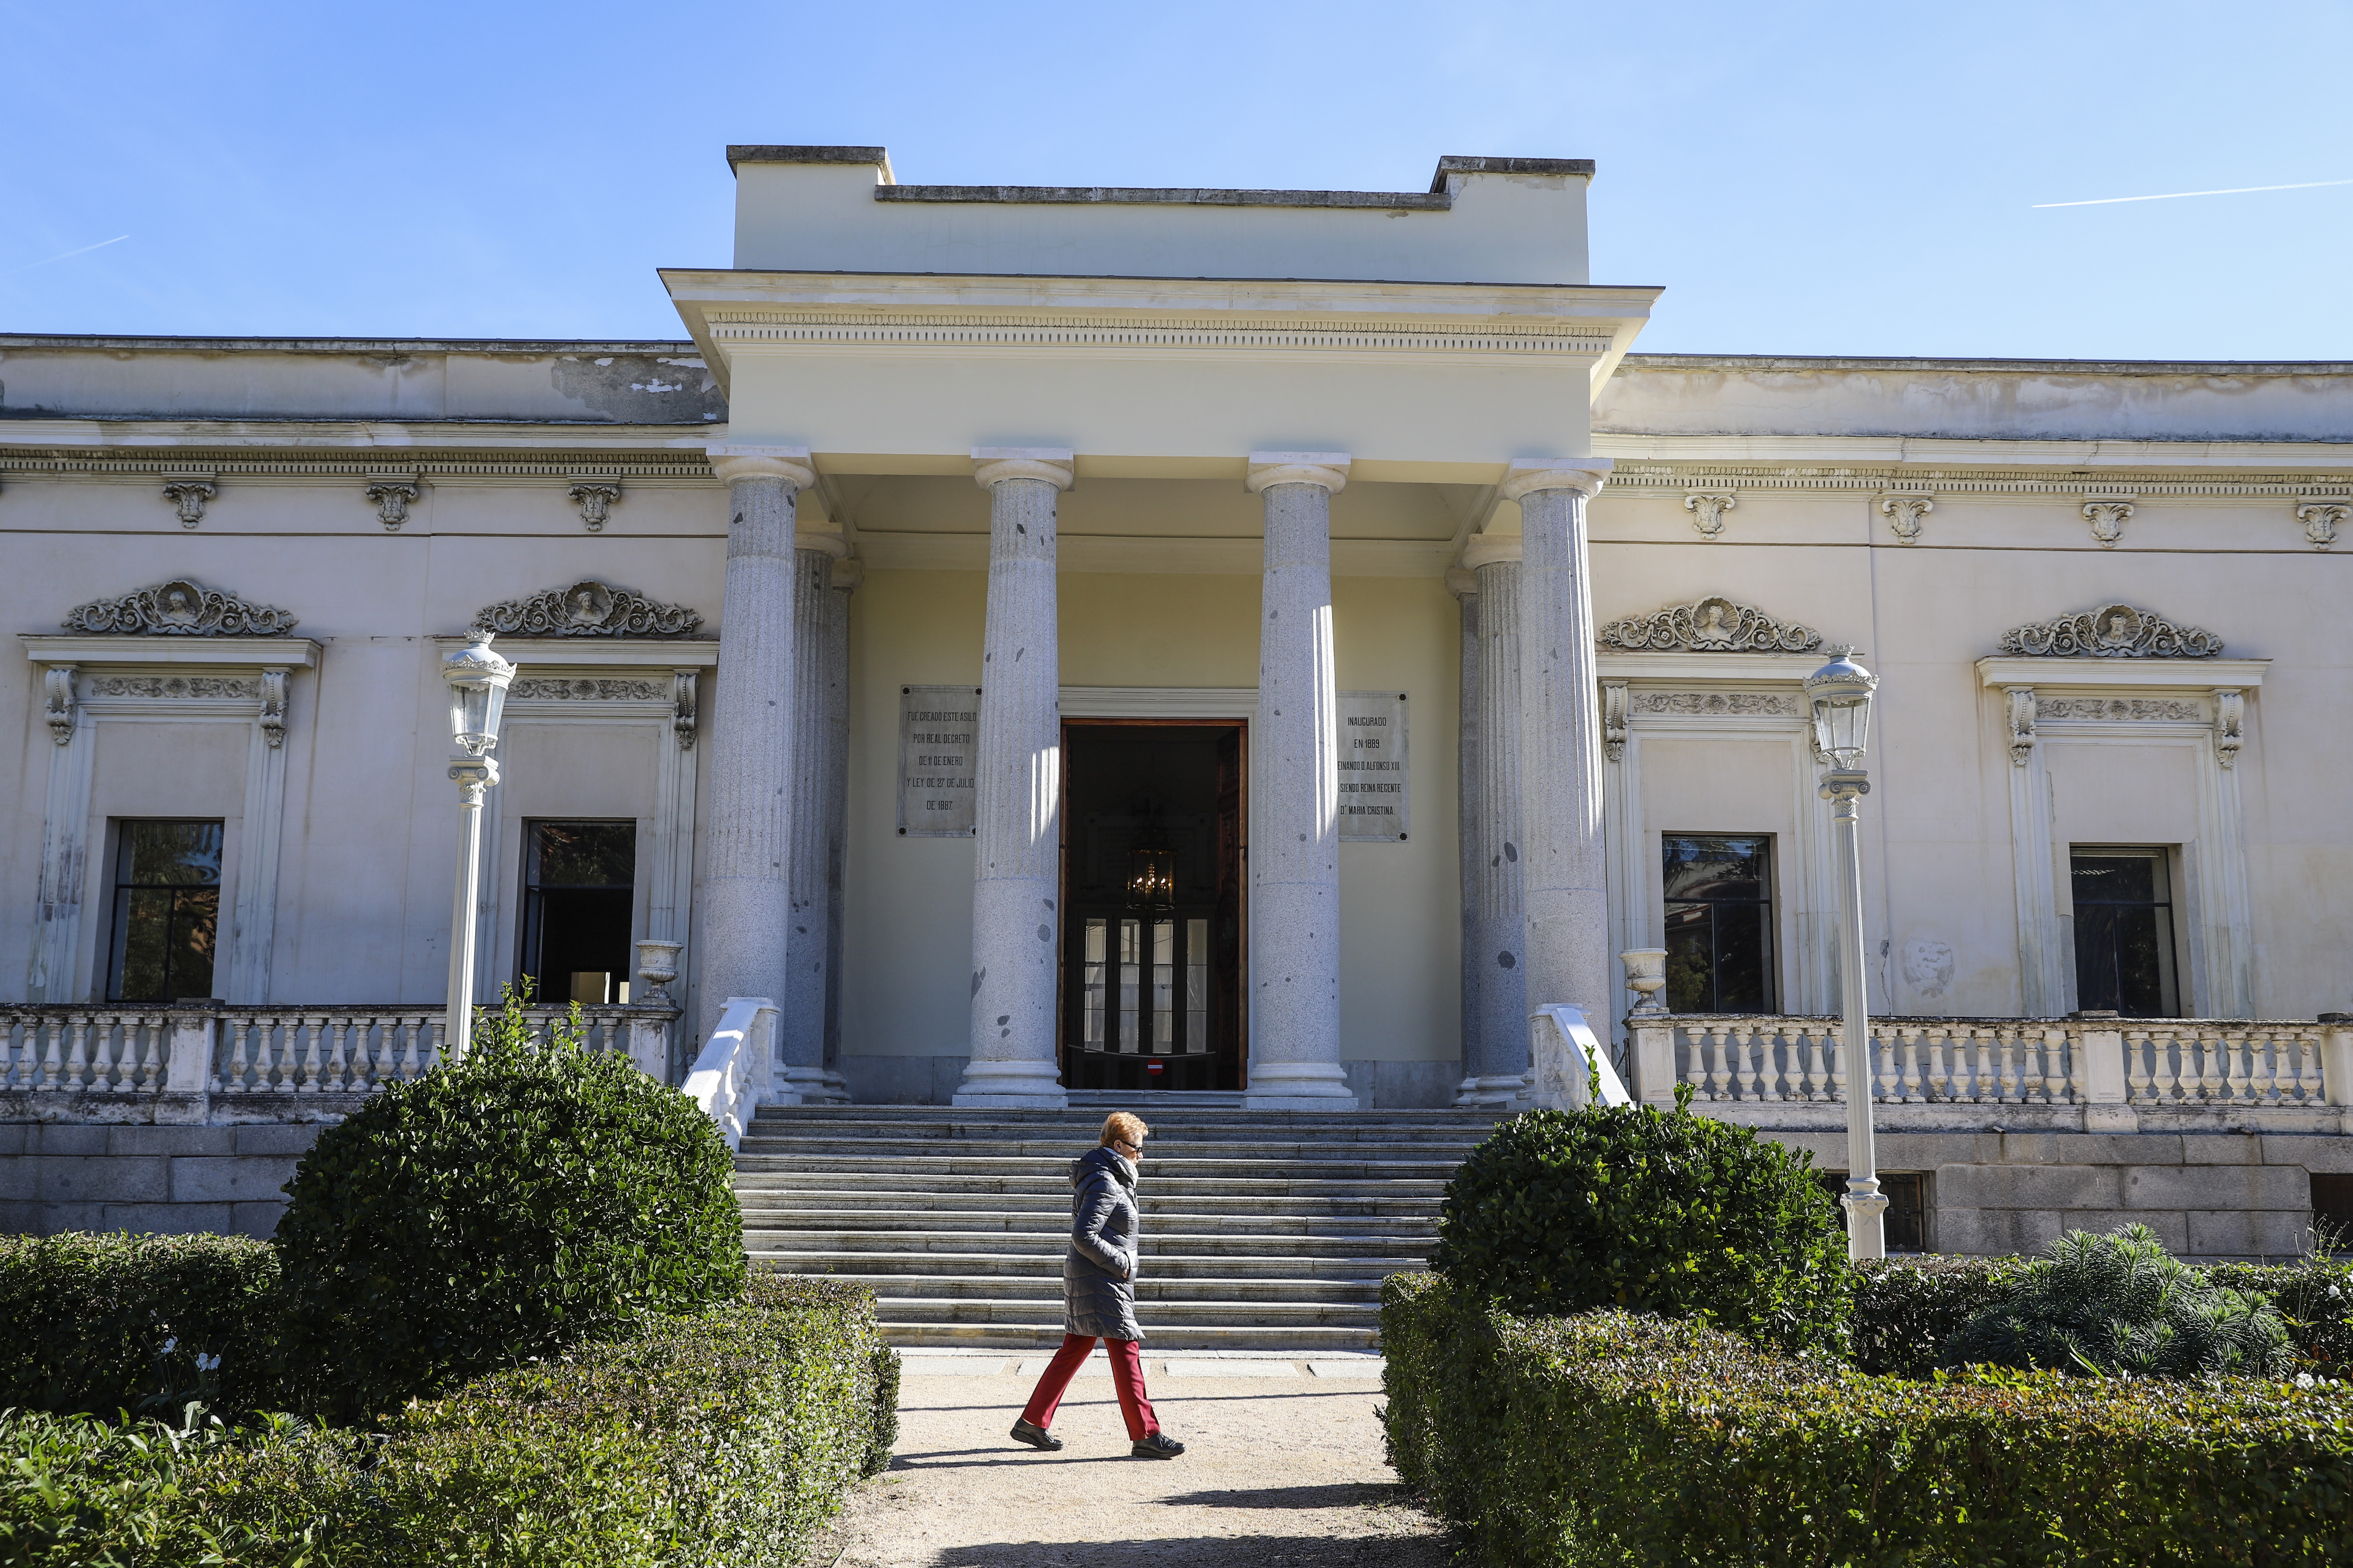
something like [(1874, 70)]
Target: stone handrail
[(736, 1070), (2094, 1075), (196, 1063)]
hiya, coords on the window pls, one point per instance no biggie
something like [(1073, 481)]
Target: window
[(2123, 931), (166, 910), (1905, 1226), (1719, 891), (579, 892)]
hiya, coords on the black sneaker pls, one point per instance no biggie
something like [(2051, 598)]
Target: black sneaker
[(1159, 1446), (1035, 1437)]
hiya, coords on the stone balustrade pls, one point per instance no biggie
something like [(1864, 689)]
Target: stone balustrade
[(2095, 1075), (212, 1064)]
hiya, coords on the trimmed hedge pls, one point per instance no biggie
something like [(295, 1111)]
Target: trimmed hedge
[(1613, 1438), (496, 1210), (725, 1437), (138, 1323), (1651, 1211)]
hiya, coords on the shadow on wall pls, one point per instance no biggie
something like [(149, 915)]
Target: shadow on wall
[(931, 1080)]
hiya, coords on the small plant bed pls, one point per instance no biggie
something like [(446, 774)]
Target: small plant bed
[(510, 1310)]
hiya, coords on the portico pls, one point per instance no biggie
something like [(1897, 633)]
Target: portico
[(1118, 375)]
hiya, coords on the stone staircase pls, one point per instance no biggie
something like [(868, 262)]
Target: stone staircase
[(1262, 1230)]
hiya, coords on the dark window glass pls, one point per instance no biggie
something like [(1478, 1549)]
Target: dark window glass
[(1719, 897), (1905, 1224), (579, 891), (166, 910), (2123, 932)]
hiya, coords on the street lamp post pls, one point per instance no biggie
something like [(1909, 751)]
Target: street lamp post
[(1840, 692), (478, 681)]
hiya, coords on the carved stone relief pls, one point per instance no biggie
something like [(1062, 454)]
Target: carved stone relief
[(682, 710), (2022, 724), (1709, 625), (1707, 511), (188, 493), (2112, 631), (588, 609), (2107, 517), (182, 687), (2230, 725), (1613, 719), (1904, 512), (393, 492), (1764, 702), (2321, 519), (2118, 709), (587, 690), (595, 494), (179, 608)]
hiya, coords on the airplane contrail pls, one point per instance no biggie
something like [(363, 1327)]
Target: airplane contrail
[(2177, 196), (62, 256)]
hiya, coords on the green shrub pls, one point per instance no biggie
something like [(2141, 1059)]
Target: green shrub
[(137, 1324), (721, 1438), (2119, 1302), (1906, 1310), (2314, 1299), (1651, 1211), (496, 1211), (1609, 1438)]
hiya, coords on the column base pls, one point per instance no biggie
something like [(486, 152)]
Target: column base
[(1506, 1093), (1011, 1086), (798, 1086), (837, 1088), (1298, 1086)]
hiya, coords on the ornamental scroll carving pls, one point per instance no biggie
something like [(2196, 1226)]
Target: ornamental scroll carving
[(588, 689), (2112, 631), (2116, 709), (1709, 625), (1759, 702), (588, 609), (179, 608)]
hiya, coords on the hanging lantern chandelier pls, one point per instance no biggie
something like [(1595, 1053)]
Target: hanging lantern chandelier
[(1152, 869)]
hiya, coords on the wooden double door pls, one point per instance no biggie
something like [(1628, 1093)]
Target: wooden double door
[(1152, 988)]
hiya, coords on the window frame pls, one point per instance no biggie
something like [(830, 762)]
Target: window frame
[(529, 930), (2173, 955), (119, 841), (1770, 960)]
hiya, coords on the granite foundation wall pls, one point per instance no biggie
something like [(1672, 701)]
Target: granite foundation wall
[(931, 1080), (164, 1179)]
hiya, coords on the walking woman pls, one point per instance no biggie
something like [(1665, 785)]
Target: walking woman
[(1099, 1293)]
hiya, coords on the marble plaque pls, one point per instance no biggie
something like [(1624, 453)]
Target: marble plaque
[(1373, 796), (937, 728)]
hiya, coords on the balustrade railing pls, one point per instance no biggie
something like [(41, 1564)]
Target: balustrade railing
[(2217, 1065), (98, 1055)]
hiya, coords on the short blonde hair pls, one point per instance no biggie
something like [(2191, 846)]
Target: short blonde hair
[(1125, 1127)]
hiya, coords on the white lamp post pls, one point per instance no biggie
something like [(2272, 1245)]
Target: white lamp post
[(478, 681), (1841, 691)]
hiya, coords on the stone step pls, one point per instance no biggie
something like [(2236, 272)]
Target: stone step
[(1080, 1139), (1425, 1170), (1048, 1266), (1157, 1110), (1261, 1152), (1046, 1336), (1168, 1316), (1150, 1292), (1039, 1244), (818, 1200), (1058, 1187), (1058, 1225)]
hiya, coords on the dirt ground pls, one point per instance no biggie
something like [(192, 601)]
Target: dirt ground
[(1278, 1470)]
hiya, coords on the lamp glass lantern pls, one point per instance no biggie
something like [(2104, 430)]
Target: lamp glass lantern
[(1840, 692), (1152, 879), (478, 681)]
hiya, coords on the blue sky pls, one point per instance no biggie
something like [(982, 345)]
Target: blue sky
[(1803, 178)]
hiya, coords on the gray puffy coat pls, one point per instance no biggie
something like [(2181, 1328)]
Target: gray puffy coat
[(1099, 1271)]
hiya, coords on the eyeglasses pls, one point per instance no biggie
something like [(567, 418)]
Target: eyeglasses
[(1123, 1143)]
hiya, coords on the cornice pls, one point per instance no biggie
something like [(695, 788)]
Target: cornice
[(2297, 470), (372, 441), (266, 652), (2178, 674), (155, 458)]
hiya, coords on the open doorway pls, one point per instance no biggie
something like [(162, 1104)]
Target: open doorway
[(1152, 899)]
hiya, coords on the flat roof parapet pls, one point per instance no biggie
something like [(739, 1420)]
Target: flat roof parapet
[(1460, 163), (762, 152), (1164, 195)]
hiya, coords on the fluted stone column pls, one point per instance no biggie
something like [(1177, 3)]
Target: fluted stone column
[(1496, 1065), (1563, 879), (1294, 843), (743, 927), (818, 679), (1464, 586), (1018, 783), (847, 577)]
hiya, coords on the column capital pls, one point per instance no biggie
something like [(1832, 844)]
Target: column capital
[(1487, 548), (1329, 469), (1055, 465), (733, 463), (826, 540), (1463, 583), (1586, 476), (848, 575)]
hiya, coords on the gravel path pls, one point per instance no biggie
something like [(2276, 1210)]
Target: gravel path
[(1281, 1469)]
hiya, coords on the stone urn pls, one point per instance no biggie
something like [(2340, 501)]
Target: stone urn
[(657, 966), (1646, 975)]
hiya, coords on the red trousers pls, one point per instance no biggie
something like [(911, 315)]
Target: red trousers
[(1127, 1376)]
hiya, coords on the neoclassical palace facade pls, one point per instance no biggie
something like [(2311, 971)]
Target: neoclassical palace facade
[(1266, 642)]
